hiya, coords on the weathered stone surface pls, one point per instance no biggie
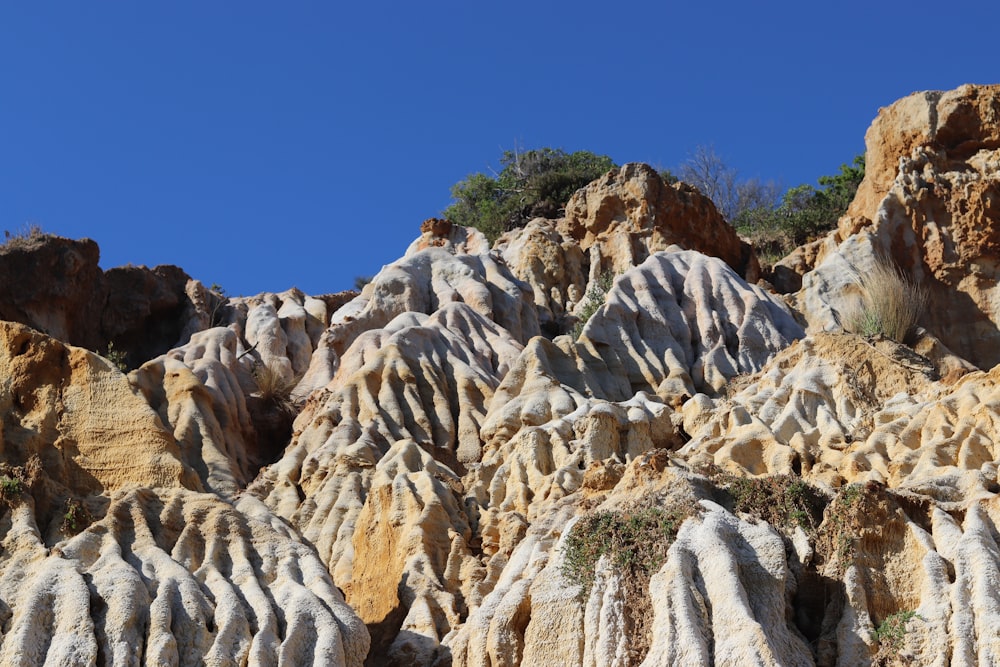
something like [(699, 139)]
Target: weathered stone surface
[(610, 226), (682, 322), (372, 475), (836, 409), (422, 282), (439, 233), (172, 577), (79, 416), (55, 285), (159, 572), (556, 268), (630, 213), (196, 392), (928, 202), (420, 508)]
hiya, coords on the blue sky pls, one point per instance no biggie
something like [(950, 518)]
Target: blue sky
[(265, 145)]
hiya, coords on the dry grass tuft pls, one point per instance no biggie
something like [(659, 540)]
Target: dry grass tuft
[(23, 238), (890, 303), (273, 388)]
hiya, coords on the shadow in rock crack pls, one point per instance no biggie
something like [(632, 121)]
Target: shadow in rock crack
[(272, 421)]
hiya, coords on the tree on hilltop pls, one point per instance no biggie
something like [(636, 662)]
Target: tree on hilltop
[(774, 222), (534, 183), (803, 213)]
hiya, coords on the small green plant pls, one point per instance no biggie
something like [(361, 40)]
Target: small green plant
[(117, 356), (636, 542), (840, 527), (76, 517), (890, 303), (11, 488), (891, 631), (594, 299), (15, 481), (850, 493)]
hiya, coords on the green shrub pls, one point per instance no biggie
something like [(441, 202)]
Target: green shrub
[(534, 183), (593, 300), (840, 530), (117, 356), (804, 213), (636, 542), (784, 501), (11, 488), (890, 303), (76, 517), (891, 631)]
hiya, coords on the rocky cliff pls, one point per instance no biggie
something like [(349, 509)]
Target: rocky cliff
[(599, 442)]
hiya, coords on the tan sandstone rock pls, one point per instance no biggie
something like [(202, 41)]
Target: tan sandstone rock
[(927, 202), (630, 213)]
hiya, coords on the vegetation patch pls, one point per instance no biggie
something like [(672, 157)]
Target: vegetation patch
[(636, 542), (220, 299), (890, 303), (117, 356), (772, 221), (890, 636), (11, 488), (274, 388), (15, 481), (802, 214), (847, 514), (76, 517), (530, 184), (593, 300), (22, 238), (784, 501)]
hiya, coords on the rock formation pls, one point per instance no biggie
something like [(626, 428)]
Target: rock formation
[(611, 225), (597, 443), (113, 554), (928, 203), (142, 312)]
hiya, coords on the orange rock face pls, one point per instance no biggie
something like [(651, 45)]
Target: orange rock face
[(635, 211), (930, 201), (436, 226), (958, 121)]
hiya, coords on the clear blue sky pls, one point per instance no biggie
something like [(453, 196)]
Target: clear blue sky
[(261, 145)]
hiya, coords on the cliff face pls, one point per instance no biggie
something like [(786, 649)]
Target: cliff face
[(433, 472)]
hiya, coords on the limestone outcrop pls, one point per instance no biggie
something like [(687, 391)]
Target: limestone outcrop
[(682, 322), (111, 551), (422, 282), (170, 576), (631, 213)]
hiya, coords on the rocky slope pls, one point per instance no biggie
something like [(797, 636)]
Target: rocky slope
[(458, 467)]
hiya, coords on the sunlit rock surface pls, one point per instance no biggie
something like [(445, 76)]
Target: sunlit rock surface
[(597, 443)]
